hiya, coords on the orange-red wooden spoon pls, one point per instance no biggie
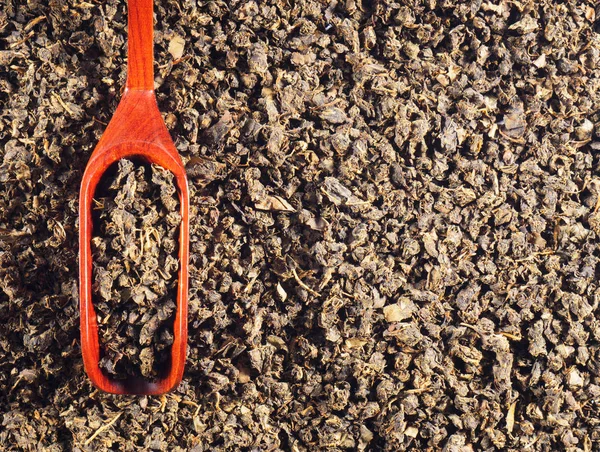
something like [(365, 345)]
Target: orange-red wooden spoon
[(136, 130)]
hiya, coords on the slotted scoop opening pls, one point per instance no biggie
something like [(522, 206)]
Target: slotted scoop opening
[(135, 248)]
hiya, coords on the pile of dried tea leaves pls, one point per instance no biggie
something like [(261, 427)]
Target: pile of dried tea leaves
[(135, 267), (394, 235)]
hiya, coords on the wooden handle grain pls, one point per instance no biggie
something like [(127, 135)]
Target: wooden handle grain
[(140, 71)]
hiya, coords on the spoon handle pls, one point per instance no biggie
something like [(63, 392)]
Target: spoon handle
[(140, 71)]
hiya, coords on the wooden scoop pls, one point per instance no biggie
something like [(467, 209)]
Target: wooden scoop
[(136, 130)]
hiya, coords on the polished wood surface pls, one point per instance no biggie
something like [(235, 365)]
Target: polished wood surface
[(136, 130)]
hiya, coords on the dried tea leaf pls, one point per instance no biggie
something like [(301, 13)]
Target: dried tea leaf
[(514, 123), (276, 203), (402, 310), (526, 25), (333, 115), (176, 47), (338, 193)]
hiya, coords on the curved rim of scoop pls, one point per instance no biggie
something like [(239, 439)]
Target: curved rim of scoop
[(101, 160)]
